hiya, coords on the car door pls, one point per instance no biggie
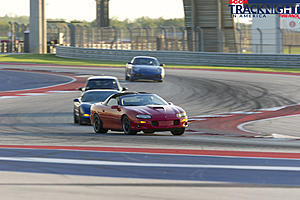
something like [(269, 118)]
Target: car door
[(113, 113)]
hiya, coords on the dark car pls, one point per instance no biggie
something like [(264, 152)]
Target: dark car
[(83, 104), (132, 112), (102, 82), (144, 67)]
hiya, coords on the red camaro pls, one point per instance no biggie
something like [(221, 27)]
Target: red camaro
[(132, 112)]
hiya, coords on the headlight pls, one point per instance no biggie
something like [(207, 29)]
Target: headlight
[(140, 116), (179, 115)]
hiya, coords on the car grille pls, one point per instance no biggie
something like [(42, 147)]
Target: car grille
[(165, 123)]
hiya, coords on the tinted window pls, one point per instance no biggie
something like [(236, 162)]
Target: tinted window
[(98, 96), (141, 100), (102, 84), (145, 61)]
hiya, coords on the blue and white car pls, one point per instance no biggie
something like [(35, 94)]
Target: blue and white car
[(144, 67), (82, 105)]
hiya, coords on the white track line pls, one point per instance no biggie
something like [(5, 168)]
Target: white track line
[(135, 164), (9, 97)]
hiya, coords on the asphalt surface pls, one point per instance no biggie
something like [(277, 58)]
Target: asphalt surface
[(18, 80), (47, 120)]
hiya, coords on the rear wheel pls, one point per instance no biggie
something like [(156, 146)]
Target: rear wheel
[(97, 124), (126, 126), (178, 131)]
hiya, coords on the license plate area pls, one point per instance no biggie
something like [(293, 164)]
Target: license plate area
[(165, 123)]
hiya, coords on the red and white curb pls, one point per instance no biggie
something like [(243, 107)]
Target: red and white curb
[(232, 123)]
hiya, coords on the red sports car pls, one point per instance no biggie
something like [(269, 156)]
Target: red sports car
[(132, 112)]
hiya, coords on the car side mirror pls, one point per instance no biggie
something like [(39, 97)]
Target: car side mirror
[(76, 100), (115, 107), (81, 89), (162, 65), (129, 63), (170, 103), (125, 88)]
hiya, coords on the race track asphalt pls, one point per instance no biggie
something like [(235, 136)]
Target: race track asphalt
[(46, 119)]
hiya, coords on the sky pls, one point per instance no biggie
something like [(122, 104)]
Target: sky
[(86, 9)]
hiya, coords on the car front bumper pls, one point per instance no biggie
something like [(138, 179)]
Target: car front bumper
[(159, 125), (147, 76)]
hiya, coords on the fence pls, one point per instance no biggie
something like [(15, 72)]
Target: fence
[(188, 58), (153, 39)]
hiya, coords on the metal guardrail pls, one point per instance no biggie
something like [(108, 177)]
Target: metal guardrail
[(188, 58)]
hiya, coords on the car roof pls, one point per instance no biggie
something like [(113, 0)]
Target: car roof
[(145, 57), (102, 77)]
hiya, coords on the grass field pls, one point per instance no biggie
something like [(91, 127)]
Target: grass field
[(53, 60)]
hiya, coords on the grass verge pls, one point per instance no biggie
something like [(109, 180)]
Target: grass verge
[(53, 60)]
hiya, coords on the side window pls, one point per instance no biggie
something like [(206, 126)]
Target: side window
[(112, 102)]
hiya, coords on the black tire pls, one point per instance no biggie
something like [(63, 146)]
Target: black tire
[(148, 131), (126, 126), (80, 121), (97, 124), (126, 76), (178, 131), (75, 118), (130, 79)]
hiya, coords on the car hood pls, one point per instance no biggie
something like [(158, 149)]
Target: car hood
[(157, 111)]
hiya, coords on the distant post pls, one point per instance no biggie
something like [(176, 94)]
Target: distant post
[(38, 27), (102, 10)]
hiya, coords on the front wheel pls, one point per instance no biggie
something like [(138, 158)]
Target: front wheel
[(126, 76), (126, 126), (75, 118), (178, 131), (97, 124)]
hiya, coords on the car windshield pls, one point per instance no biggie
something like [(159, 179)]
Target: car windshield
[(102, 84), (97, 96), (145, 61), (141, 100)]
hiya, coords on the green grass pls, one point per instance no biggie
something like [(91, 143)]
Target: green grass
[(53, 60)]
